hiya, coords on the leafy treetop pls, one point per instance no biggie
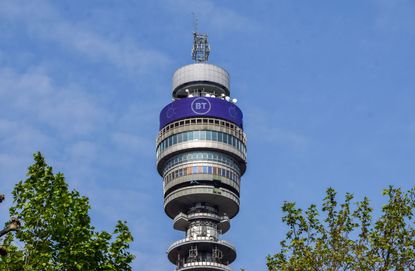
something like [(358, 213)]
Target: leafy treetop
[(346, 237), (56, 231)]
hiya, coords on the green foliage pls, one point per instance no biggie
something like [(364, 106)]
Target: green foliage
[(56, 232), (345, 237)]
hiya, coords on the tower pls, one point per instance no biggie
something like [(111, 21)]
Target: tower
[(201, 155)]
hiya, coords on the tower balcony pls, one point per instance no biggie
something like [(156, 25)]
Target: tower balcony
[(180, 248), (207, 179), (184, 198), (181, 221), (203, 266), (201, 123), (238, 153)]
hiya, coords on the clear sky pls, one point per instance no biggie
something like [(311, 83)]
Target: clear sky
[(327, 89)]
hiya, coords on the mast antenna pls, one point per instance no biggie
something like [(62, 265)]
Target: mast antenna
[(195, 22), (201, 47)]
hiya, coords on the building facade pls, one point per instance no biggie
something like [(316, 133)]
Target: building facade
[(201, 156)]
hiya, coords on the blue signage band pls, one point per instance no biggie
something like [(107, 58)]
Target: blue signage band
[(201, 107)]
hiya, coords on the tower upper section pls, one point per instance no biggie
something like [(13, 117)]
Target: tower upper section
[(200, 78)]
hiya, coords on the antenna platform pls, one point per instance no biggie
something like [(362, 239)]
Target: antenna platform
[(201, 47)]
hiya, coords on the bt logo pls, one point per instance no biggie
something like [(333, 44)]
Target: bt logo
[(200, 106)]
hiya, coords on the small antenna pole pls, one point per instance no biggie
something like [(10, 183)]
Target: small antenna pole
[(201, 47), (195, 22)]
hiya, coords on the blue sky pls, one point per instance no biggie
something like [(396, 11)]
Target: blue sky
[(327, 89)]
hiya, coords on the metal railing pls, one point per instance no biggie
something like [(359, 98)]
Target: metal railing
[(188, 266), (198, 239)]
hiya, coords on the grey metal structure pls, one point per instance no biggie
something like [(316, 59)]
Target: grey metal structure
[(201, 47), (201, 170)]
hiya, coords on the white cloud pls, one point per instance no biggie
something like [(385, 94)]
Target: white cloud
[(39, 115), (44, 22), (35, 99)]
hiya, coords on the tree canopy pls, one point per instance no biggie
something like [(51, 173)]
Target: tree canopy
[(344, 236), (56, 231)]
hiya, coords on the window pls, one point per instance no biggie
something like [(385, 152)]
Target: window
[(225, 138), (209, 135)]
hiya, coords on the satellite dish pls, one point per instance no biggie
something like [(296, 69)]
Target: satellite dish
[(234, 100)]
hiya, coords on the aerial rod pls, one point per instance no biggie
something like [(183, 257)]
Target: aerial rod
[(195, 22)]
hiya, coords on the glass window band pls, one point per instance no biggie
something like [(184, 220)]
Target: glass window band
[(201, 135)]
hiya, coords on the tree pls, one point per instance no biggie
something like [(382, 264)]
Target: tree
[(13, 225), (56, 231), (346, 237)]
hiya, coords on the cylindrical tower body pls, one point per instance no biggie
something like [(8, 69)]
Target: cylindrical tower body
[(201, 155)]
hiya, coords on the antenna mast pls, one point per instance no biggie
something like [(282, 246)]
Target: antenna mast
[(201, 47)]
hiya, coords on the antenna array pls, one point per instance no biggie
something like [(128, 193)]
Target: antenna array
[(201, 47)]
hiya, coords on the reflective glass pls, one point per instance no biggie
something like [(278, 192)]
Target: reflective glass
[(202, 135)]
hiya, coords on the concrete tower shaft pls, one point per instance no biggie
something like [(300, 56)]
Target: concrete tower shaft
[(201, 155)]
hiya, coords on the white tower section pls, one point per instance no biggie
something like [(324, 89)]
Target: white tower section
[(199, 79)]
